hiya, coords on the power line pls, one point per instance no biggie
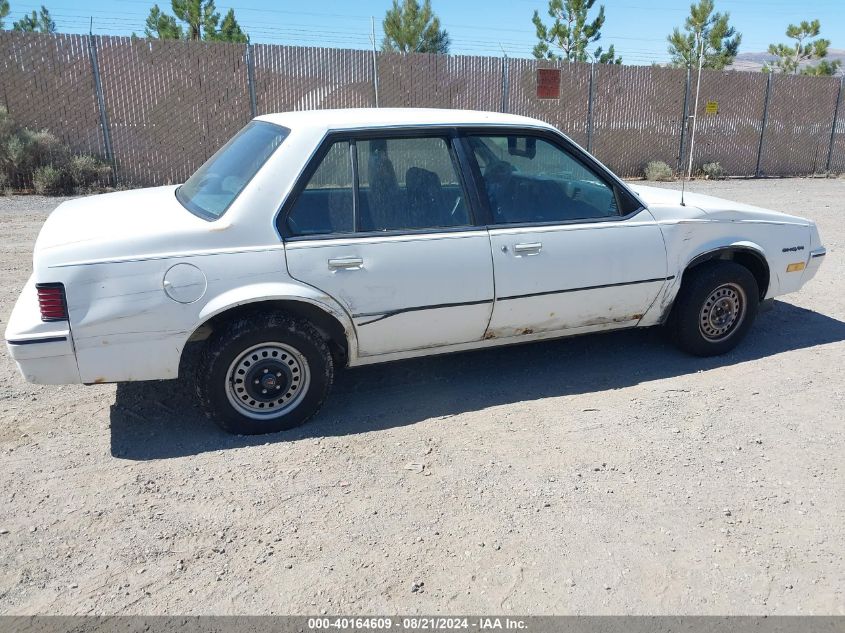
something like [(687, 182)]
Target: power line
[(297, 33)]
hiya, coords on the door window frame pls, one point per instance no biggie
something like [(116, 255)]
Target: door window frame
[(561, 143), (450, 134)]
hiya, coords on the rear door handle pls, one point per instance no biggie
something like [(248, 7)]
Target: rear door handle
[(346, 263), (532, 248)]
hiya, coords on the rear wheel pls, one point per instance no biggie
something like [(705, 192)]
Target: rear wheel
[(715, 308), (264, 374)]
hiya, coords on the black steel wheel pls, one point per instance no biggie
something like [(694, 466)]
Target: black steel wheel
[(264, 374), (715, 308)]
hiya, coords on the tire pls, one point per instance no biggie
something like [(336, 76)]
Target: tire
[(264, 374), (715, 308)]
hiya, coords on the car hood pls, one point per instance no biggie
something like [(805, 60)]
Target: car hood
[(715, 208), (120, 224)]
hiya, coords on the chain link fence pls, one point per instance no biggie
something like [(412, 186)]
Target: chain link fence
[(158, 109)]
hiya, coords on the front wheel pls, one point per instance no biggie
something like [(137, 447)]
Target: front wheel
[(264, 374), (715, 308)]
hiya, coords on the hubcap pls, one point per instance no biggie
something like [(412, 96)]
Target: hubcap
[(267, 380), (722, 312)]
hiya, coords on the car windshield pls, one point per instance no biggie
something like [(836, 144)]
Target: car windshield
[(215, 185)]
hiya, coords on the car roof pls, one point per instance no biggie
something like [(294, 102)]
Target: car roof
[(358, 118)]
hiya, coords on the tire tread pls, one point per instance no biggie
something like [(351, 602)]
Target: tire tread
[(698, 282), (218, 346)]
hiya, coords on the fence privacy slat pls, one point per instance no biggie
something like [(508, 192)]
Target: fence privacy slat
[(47, 83), (569, 112), (798, 127), (297, 78), (731, 137), (636, 115), (170, 104), (837, 152)]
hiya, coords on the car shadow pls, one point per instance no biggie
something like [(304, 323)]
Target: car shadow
[(158, 420)]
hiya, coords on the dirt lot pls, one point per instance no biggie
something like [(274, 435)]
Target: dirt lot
[(604, 474)]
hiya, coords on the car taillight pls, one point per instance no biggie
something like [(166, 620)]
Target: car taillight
[(51, 300)]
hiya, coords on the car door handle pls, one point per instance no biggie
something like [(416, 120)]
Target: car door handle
[(346, 263), (532, 248)]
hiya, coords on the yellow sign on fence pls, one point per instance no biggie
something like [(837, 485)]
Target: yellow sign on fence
[(712, 107)]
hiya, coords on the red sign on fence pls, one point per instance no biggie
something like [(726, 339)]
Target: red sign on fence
[(548, 83)]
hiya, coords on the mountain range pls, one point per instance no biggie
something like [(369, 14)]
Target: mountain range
[(755, 61)]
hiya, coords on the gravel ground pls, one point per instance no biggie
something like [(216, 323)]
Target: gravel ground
[(605, 474)]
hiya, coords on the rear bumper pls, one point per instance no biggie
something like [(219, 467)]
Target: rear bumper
[(43, 351), (50, 361)]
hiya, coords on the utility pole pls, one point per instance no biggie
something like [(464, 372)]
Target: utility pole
[(700, 41), (375, 62)]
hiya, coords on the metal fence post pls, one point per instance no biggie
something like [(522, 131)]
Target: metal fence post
[(684, 120), (506, 85), (590, 96), (763, 126), (250, 79), (101, 102), (833, 127)]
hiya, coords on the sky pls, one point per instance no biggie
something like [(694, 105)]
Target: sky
[(637, 28)]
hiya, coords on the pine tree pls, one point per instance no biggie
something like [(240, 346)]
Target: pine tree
[(4, 11), (193, 20), (703, 26), (572, 32), (40, 22), (230, 30), (161, 26), (410, 28), (200, 17), (790, 57)]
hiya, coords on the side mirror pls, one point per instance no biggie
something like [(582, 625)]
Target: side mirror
[(522, 146)]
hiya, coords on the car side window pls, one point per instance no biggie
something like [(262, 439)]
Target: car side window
[(408, 183), (528, 179), (325, 205)]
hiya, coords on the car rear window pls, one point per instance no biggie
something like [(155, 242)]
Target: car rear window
[(215, 185)]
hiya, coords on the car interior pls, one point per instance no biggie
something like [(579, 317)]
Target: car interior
[(532, 181), (385, 203), (527, 180)]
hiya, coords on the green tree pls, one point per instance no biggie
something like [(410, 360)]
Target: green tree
[(230, 30), (161, 26), (40, 22), (200, 16), (411, 28), (193, 20), (790, 57), (571, 32), (709, 29), (4, 11)]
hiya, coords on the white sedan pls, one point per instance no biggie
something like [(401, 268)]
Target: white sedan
[(316, 240)]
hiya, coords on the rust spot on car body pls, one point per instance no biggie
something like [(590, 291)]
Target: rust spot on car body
[(555, 325)]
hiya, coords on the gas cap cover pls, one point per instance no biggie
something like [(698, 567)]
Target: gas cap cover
[(184, 283)]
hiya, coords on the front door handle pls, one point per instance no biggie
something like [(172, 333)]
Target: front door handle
[(532, 248), (346, 263)]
